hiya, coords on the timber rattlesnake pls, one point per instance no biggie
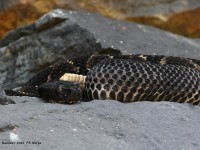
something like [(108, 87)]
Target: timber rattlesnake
[(125, 78)]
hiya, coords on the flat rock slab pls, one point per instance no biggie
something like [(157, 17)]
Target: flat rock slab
[(133, 38), (100, 125)]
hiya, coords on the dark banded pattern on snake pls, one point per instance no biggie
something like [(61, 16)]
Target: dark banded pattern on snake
[(126, 78), (129, 81)]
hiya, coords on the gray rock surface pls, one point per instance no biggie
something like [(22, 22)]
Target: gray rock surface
[(100, 125), (29, 49), (136, 38), (96, 124), (4, 100)]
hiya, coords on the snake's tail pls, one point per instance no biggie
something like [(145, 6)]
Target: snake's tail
[(31, 91)]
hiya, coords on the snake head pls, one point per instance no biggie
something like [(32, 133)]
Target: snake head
[(60, 92)]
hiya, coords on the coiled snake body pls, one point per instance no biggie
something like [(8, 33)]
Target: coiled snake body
[(126, 78)]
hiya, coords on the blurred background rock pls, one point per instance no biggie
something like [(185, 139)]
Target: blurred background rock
[(177, 16)]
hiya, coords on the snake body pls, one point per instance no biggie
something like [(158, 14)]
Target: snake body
[(125, 78), (128, 81)]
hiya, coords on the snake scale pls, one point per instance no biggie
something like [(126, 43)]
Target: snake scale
[(125, 78)]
